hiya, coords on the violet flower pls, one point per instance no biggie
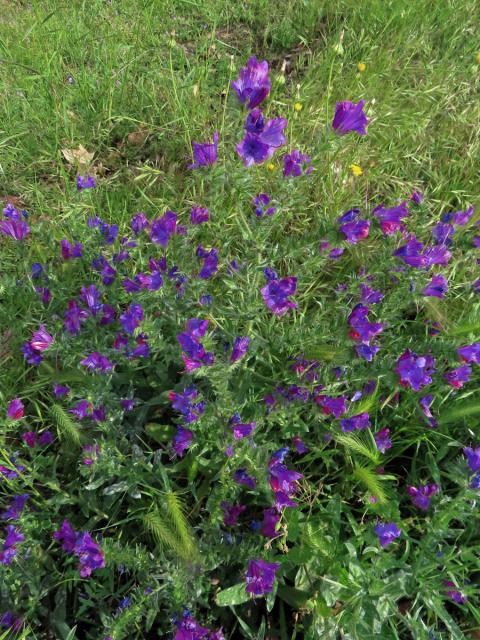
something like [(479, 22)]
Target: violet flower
[(205, 153), (296, 163), (276, 295), (456, 378), (437, 287), (382, 440), (350, 117), (415, 371), (240, 348), (253, 85), (422, 495), (15, 409), (387, 532), (85, 182), (261, 576)]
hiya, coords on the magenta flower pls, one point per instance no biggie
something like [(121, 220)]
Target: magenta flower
[(387, 532), (182, 440), (382, 440), (198, 215), (362, 330), (261, 576), (231, 513), (437, 287), (41, 339), (15, 409), (16, 228), (30, 438), (330, 405), (415, 371), (350, 117), (296, 163), (205, 153), (253, 85), (422, 495), (270, 521), (456, 378), (470, 353), (355, 231), (276, 293), (240, 348)]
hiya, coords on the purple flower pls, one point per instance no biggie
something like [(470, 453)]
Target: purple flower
[(283, 482), (97, 362), (9, 621), (106, 270), (454, 594), (15, 409), (355, 231), (296, 163), (9, 549), (336, 253), (91, 297), (462, 217), (470, 353), (299, 445), (91, 453), (425, 404), (270, 521), (182, 440), (240, 348), (387, 532), (261, 138), (410, 253), (422, 495), (260, 204), (183, 403), (253, 85), (350, 117), (382, 440), (30, 438), (73, 317), (189, 629), (210, 262), (70, 251), (198, 215), (437, 287), (45, 438), (456, 378), (475, 483), (275, 295), (41, 339), (131, 318), (261, 576), (15, 228), (128, 404), (138, 222), (436, 255), (205, 153), (330, 405), (83, 546), (30, 355), (369, 295), (442, 233), (360, 421), (367, 351), (415, 371), (16, 507), (417, 197), (85, 182), (473, 458), (241, 431), (162, 229), (231, 512), (390, 220), (82, 409), (242, 477), (362, 330)]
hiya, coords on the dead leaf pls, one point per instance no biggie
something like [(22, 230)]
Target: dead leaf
[(78, 156), (137, 138)]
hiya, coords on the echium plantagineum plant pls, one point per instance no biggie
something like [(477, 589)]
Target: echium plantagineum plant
[(240, 417)]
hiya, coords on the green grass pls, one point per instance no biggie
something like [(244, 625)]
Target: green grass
[(148, 77)]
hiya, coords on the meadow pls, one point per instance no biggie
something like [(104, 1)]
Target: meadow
[(239, 320)]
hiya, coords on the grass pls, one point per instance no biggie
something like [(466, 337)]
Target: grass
[(133, 82)]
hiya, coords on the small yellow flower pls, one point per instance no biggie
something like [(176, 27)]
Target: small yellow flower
[(297, 106), (477, 58), (270, 166), (356, 170), (361, 66)]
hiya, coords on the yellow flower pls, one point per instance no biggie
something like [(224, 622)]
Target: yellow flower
[(270, 166), (297, 106), (361, 66), (356, 170), (477, 58)]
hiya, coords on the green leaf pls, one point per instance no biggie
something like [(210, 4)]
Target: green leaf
[(372, 481), (361, 444), (67, 428), (232, 596)]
